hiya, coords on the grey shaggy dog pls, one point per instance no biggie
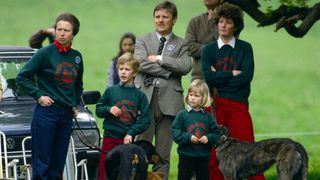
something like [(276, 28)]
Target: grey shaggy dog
[(239, 160)]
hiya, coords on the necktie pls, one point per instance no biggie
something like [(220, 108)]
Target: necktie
[(161, 45), (149, 79)]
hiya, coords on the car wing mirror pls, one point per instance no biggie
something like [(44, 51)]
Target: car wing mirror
[(91, 97)]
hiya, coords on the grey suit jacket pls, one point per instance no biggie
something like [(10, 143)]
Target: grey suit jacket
[(175, 63)]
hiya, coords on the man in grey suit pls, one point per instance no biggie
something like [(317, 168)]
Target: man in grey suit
[(163, 62)]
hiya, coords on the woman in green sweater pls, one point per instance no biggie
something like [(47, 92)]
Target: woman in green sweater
[(195, 131), (58, 69)]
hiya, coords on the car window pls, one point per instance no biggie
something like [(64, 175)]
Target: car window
[(9, 68)]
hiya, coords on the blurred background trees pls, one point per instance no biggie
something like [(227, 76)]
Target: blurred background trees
[(295, 16)]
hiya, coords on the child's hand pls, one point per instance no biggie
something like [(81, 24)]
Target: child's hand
[(115, 111), (127, 139), (194, 139), (204, 139), (74, 112), (236, 72), (213, 69)]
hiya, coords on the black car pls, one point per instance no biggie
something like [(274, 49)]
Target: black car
[(16, 110)]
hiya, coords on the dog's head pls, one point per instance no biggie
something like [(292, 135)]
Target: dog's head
[(223, 135), (152, 155)]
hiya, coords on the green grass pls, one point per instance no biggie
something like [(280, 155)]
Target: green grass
[(285, 94)]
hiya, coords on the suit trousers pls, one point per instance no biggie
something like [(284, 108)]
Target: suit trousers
[(160, 130)]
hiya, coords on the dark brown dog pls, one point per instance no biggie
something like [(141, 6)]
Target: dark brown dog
[(239, 160), (130, 161)]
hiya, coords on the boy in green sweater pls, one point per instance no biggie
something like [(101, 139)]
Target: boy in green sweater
[(195, 131), (120, 106)]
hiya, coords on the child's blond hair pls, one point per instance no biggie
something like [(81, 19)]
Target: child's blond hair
[(199, 86), (130, 59)]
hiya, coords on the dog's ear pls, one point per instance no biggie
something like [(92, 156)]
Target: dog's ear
[(224, 132), (160, 174), (155, 159), (220, 139), (155, 175), (223, 135), (152, 155)]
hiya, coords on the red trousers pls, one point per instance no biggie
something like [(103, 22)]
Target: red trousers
[(107, 145), (236, 117)]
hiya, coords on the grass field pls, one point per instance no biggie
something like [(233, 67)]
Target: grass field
[(285, 97)]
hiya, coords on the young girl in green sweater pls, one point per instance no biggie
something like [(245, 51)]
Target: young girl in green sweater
[(195, 131)]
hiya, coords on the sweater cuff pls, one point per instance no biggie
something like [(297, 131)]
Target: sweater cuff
[(131, 133), (38, 95)]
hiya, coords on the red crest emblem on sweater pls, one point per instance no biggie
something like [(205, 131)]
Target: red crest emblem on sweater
[(129, 111), (198, 129), (66, 74), (226, 64)]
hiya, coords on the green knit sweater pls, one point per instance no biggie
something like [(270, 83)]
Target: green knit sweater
[(58, 75), (224, 60), (197, 123), (134, 106)]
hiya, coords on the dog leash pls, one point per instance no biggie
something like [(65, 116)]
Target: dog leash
[(214, 94), (88, 143), (85, 138)]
